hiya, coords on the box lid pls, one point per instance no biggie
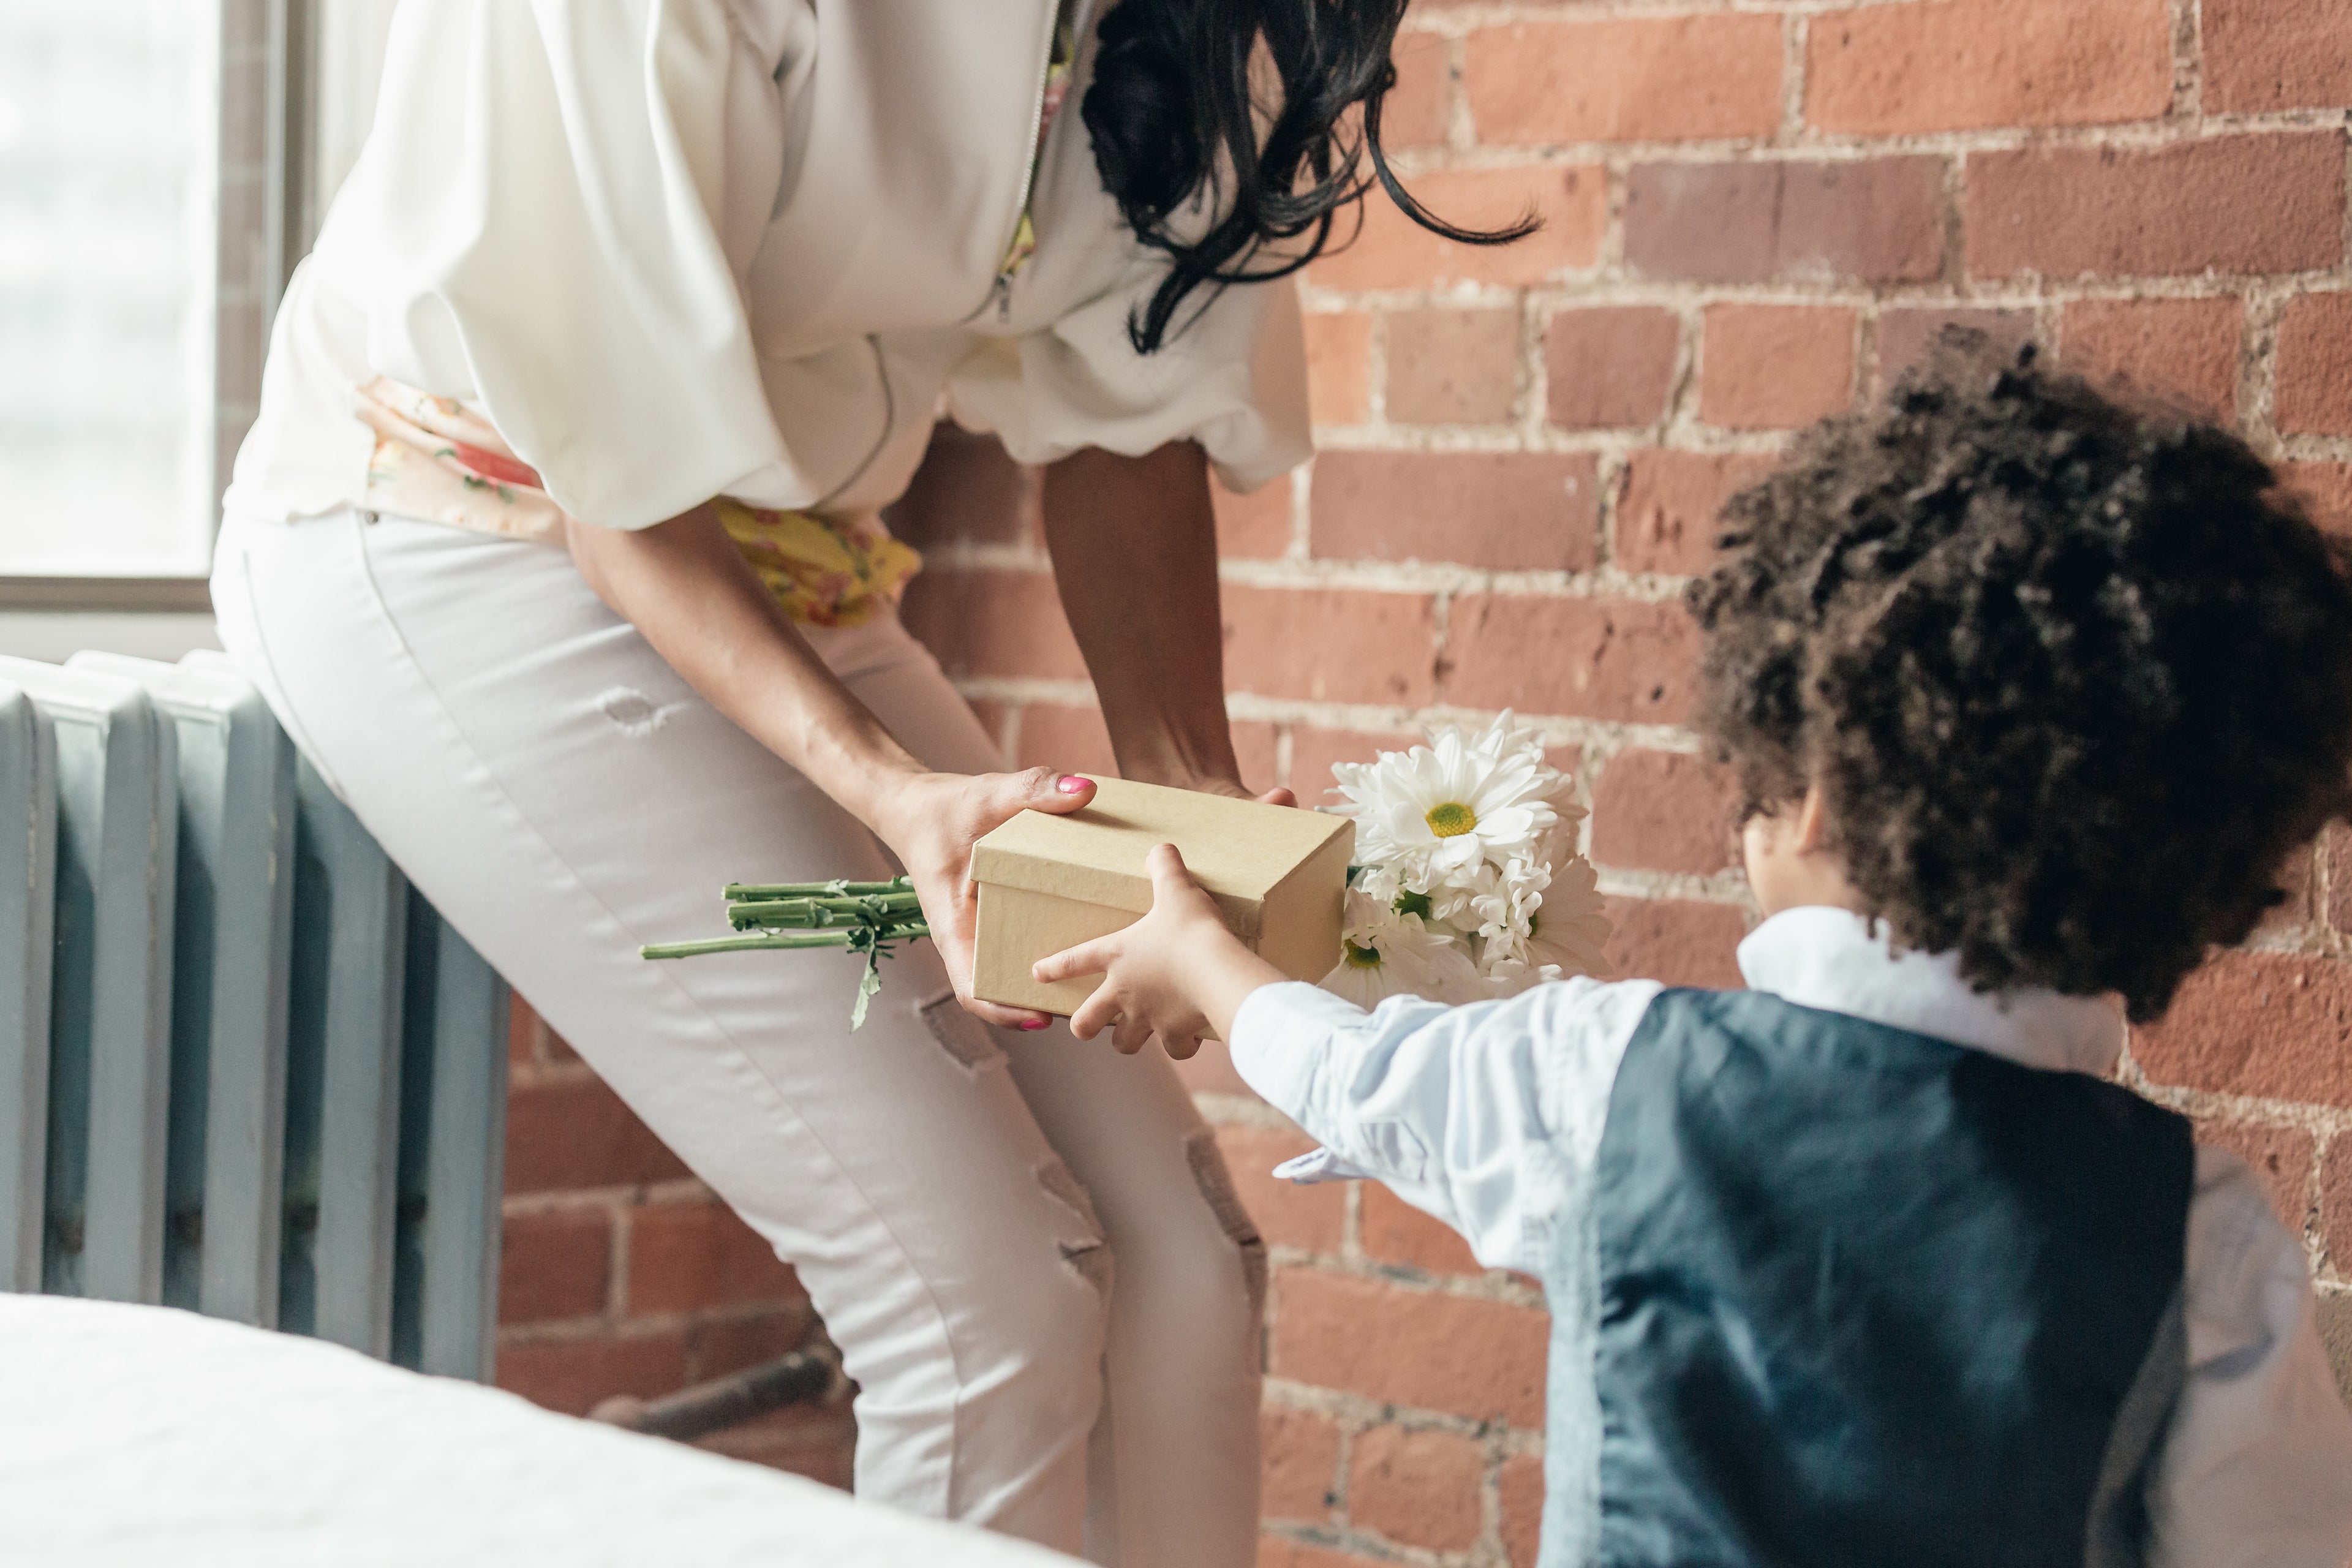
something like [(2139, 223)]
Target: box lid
[(1238, 850)]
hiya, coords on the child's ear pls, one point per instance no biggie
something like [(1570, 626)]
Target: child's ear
[(1812, 822)]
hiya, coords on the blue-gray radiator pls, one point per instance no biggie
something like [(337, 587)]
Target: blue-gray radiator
[(244, 1068)]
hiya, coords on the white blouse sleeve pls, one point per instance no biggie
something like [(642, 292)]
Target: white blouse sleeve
[(552, 218), (1234, 380)]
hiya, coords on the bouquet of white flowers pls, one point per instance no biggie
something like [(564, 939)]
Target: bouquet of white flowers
[(1469, 885)]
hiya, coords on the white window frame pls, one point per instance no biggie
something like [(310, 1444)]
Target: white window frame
[(269, 201)]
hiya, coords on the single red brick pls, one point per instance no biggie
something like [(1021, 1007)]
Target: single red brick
[(1312, 753), (2269, 1023), (1417, 1488), (574, 1377), (1071, 738), (1672, 506), (2326, 488), (1959, 65), (967, 488), (1256, 525), (1415, 111), (1907, 338), (1394, 252), (577, 1133), (1678, 942), (2335, 1208), (1453, 367), (1330, 645), (1520, 1483), (1610, 366), (2186, 349), (1632, 79), (1479, 1359), (1279, 1552), (1396, 1232), (2266, 55), (2315, 366), (1776, 367), (1504, 510), (727, 1345), (1878, 220), (1339, 366), (1663, 811), (2282, 1156), (685, 1257), (1597, 658), (2074, 211), (1310, 1217), (994, 623), (554, 1264), (1300, 1464)]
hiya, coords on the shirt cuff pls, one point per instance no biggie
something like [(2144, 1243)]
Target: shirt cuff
[(1281, 1038)]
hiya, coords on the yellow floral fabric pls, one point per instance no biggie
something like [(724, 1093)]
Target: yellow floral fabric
[(439, 460)]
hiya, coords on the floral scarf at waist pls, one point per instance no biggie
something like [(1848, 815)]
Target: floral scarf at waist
[(439, 461)]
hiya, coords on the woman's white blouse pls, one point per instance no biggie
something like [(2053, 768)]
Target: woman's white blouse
[(682, 248)]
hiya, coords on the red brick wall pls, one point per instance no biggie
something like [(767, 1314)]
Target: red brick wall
[(621, 1273), (1755, 215)]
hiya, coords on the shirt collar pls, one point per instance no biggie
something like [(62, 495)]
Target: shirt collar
[(1830, 959)]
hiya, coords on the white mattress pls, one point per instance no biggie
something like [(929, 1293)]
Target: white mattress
[(144, 1435)]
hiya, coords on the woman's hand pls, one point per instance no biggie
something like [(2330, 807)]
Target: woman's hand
[(1178, 973), (930, 821)]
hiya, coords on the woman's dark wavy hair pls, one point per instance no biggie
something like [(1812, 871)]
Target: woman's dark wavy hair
[(2073, 677), (1174, 117)]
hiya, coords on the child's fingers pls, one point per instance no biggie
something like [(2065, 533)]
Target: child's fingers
[(1181, 1048), (1095, 1014), (1168, 877), (1086, 958), (1131, 1035)]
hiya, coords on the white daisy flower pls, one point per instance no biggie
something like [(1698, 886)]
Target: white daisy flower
[(1566, 929), (1435, 812), (1386, 954)]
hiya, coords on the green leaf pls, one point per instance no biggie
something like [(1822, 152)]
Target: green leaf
[(869, 985)]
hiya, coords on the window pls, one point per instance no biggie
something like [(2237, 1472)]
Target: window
[(151, 198)]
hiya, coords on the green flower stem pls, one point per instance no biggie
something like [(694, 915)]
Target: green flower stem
[(770, 893), (889, 908), (773, 941)]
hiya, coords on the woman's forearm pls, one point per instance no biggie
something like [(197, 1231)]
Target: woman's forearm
[(1134, 543), (684, 586)]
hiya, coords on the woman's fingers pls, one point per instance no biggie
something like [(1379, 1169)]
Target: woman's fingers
[(1277, 797)]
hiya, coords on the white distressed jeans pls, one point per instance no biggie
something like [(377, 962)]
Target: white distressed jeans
[(1027, 1247)]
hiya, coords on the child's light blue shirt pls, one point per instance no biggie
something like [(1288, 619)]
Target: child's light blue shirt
[(1489, 1118)]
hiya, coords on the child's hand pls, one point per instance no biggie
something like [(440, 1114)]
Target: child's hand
[(1177, 973)]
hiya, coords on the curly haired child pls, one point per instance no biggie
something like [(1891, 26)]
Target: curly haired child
[(2029, 693)]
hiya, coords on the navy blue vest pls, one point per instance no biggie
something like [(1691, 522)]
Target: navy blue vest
[(1857, 1296)]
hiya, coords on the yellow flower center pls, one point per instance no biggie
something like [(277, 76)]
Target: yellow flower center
[(1363, 957), (1451, 820)]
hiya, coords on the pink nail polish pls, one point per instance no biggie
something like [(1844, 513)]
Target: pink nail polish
[(1035, 1023), (1072, 785)]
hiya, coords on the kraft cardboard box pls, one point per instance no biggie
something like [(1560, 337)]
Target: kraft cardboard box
[(1278, 874)]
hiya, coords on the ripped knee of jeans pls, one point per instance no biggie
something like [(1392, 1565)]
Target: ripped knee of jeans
[(1216, 1184), (1089, 1254), (962, 1037)]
